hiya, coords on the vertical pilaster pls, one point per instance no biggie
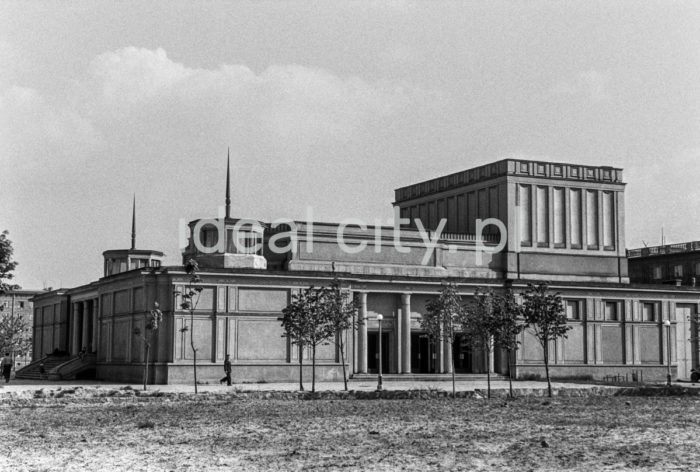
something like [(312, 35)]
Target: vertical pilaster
[(362, 334), (75, 328), (406, 332), (95, 324), (84, 325)]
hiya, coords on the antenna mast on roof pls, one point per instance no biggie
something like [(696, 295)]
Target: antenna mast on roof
[(133, 225), (228, 184)]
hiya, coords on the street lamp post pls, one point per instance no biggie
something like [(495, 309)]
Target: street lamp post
[(667, 324), (379, 377)]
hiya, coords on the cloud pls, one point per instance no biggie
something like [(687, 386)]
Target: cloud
[(32, 128), (286, 102), (591, 84)]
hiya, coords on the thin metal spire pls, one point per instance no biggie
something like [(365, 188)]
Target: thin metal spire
[(133, 224), (228, 184)]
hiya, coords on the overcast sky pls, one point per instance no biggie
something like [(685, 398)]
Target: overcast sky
[(327, 104)]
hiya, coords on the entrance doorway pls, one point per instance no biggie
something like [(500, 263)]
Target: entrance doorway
[(373, 352), (466, 359), (423, 354)]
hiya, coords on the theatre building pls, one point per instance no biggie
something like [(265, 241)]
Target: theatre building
[(540, 221)]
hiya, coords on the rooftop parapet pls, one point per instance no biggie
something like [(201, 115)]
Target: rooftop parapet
[(665, 249), (511, 167)]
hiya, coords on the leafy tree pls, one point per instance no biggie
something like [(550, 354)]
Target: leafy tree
[(15, 334), (544, 315), (7, 265), (480, 324), (340, 312), (442, 320), (153, 320), (508, 327), (307, 323), (190, 299)]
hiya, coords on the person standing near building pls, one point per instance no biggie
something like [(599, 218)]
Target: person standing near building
[(227, 369), (6, 364)]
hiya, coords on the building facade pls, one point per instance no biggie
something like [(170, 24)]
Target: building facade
[(505, 224), (677, 264), (18, 304)]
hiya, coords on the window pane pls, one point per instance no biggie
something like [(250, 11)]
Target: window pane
[(572, 310)]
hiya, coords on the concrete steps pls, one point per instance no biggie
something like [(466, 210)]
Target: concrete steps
[(31, 372)]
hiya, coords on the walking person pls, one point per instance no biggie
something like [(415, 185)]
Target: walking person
[(6, 364), (227, 369)]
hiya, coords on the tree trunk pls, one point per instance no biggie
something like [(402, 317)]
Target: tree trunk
[(546, 368), (488, 372), (194, 351), (452, 362), (342, 361), (313, 368), (145, 367), (510, 373), (301, 367)]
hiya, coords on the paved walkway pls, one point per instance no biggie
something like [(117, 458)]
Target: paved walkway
[(24, 385)]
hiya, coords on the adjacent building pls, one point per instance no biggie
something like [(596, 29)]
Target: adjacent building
[(677, 264), (496, 226), (18, 304)]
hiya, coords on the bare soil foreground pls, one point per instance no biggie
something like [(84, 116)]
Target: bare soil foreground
[(220, 432)]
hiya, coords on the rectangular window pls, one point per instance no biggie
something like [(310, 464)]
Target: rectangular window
[(648, 312), (697, 268), (611, 311), (657, 273), (573, 309), (678, 270), (21, 304)]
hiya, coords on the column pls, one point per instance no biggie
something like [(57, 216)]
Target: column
[(75, 333), (398, 328), (84, 338), (447, 350), (95, 325), (406, 333), (362, 334)]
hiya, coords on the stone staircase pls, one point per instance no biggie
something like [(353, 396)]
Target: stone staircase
[(31, 371), (426, 377)]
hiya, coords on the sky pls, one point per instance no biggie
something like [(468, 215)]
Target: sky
[(331, 105)]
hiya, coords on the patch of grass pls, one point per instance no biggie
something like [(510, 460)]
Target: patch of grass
[(532, 433)]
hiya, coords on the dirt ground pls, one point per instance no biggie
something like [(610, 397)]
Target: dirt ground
[(590, 433)]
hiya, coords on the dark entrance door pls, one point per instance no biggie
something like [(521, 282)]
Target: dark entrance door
[(373, 352), (466, 359), (422, 354)]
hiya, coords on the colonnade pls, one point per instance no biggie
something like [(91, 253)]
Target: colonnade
[(84, 326), (401, 348)]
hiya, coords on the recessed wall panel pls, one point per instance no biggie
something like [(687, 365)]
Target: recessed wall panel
[(592, 217), (576, 215), (559, 217), (608, 219), (525, 206), (542, 215)]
